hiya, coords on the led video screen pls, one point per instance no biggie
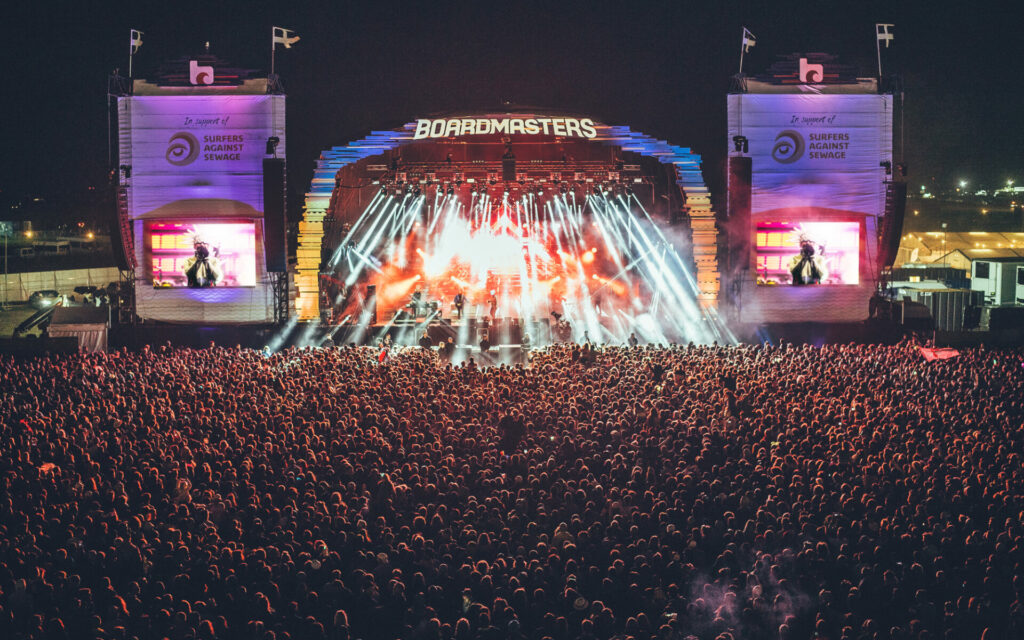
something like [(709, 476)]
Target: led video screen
[(808, 253), (201, 254)]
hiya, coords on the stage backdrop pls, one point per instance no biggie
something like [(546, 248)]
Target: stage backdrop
[(816, 158), (196, 160)]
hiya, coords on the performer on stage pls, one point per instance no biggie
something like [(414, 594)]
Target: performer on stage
[(459, 301), (493, 302)]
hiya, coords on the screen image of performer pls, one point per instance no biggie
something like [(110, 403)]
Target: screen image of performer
[(202, 270), (807, 268)]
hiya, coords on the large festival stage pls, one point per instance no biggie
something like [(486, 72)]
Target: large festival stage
[(512, 218)]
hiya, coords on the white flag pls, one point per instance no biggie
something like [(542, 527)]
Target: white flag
[(282, 36), (748, 40), (883, 33), (136, 40)]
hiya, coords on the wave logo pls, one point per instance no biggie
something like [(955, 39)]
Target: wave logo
[(789, 147), (199, 74), (811, 73), (182, 149)]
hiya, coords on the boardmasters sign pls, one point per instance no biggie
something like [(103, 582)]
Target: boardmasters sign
[(532, 126)]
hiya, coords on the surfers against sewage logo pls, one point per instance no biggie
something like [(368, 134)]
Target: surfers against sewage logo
[(791, 145), (184, 147)]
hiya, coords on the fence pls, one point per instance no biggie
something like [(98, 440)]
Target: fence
[(19, 286)]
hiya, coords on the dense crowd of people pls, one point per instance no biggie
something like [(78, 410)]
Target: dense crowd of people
[(718, 493)]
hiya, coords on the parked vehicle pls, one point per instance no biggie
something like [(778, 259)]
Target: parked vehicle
[(44, 298)]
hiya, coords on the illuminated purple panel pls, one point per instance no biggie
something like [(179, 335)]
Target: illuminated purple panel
[(199, 148), (198, 160), (814, 150)]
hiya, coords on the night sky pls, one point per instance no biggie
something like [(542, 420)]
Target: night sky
[(662, 68)]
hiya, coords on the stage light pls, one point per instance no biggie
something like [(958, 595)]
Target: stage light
[(451, 190), (272, 143), (416, 191)]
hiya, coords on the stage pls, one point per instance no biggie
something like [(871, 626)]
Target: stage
[(524, 217)]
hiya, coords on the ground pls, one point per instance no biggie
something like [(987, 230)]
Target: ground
[(12, 316)]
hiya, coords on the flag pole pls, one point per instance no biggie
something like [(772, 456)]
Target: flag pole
[(878, 50), (272, 50), (743, 47), (131, 53)]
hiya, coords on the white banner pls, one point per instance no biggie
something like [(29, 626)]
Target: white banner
[(813, 150), (198, 147)]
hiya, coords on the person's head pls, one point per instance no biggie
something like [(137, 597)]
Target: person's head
[(202, 252)]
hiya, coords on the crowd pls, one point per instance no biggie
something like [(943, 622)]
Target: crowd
[(712, 493)]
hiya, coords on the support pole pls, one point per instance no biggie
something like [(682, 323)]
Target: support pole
[(878, 50)]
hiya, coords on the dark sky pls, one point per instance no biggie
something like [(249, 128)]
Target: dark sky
[(662, 68)]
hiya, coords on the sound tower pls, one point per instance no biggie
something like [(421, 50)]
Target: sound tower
[(892, 223), (274, 234), (121, 234), (740, 229), (118, 243)]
